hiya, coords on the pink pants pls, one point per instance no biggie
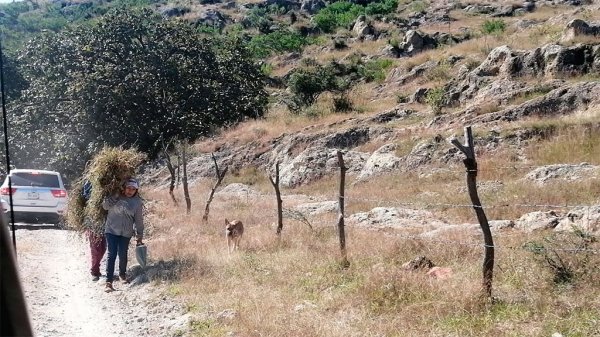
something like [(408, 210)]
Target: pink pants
[(97, 248)]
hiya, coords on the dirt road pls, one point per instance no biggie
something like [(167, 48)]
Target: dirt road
[(64, 301)]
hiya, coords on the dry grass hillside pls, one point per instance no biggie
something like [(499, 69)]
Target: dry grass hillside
[(546, 282)]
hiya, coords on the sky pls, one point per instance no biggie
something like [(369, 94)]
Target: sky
[(5, 1)]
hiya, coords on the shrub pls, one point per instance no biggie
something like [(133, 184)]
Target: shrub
[(338, 14), (374, 70), (402, 98), (277, 42), (308, 83), (266, 69), (435, 99), (339, 44), (496, 26), (382, 7), (566, 254), (342, 103), (394, 42), (258, 18)]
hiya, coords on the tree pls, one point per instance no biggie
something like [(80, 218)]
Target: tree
[(132, 79)]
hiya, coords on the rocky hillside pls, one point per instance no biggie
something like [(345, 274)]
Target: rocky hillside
[(521, 74)]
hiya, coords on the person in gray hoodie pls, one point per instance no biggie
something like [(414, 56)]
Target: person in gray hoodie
[(124, 219)]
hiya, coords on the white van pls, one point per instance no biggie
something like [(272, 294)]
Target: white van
[(37, 195)]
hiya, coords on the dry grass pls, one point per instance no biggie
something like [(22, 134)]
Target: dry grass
[(294, 286), (584, 39)]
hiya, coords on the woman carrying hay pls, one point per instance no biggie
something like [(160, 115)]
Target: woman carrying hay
[(123, 220)]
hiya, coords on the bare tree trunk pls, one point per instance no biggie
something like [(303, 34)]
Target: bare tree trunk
[(340, 224), (275, 184), (220, 176), (178, 169), (172, 173), (186, 192), (471, 164)]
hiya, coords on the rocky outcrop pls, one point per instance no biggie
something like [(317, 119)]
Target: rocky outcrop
[(174, 11), (550, 59), (316, 162), (211, 18), (537, 221), (504, 63), (499, 9), (579, 27), (398, 218), (564, 100), (545, 174), (398, 76), (381, 161), (363, 28), (416, 41), (312, 6), (586, 219)]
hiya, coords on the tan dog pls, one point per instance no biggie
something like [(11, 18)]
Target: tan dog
[(233, 231)]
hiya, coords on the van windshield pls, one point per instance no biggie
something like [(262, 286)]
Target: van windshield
[(37, 179)]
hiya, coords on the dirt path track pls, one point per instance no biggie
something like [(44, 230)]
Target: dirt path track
[(64, 301)]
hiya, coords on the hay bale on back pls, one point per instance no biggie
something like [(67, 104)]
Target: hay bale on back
[(75, 206), (107, 172)]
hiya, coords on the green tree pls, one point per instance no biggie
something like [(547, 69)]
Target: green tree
[(131, 79)]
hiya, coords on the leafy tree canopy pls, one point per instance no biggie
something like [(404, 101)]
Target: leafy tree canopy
[(131, 79)]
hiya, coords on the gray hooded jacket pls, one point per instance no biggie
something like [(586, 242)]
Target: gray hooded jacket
[(124, 216)]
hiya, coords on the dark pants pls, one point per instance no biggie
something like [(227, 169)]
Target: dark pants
[(117, 245), (97, 250)]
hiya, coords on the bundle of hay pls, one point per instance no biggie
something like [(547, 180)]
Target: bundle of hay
[(107, 172)]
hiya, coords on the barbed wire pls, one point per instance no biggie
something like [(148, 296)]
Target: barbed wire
[(450, 205), (496, 247), (297, 215), (483, 168)]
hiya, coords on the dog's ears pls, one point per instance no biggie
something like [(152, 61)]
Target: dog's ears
[(226, 221)]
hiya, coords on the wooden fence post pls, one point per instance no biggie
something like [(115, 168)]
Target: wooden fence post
[(275, 184), (220, 176), (471, 164), (340, 224)]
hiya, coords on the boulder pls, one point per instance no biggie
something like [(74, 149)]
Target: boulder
[(544, 174), (586, 219), (383, 160), (577, 28), (212, 18), (362, 27), (312, 6), (535, 221), (414, 42), (397, 218)]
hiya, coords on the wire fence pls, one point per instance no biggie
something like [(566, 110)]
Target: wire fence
[(298, 215)]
